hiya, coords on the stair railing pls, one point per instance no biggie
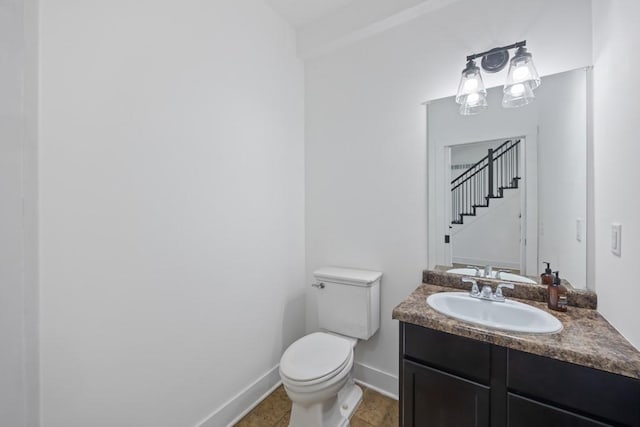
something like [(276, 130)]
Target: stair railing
[(485, 180)]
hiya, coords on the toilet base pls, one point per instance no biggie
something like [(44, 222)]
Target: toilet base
[(335, 412), (350, 398)]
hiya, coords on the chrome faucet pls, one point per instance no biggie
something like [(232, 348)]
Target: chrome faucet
[(498, 295), (486, 293), (487, 271), (475, 292)]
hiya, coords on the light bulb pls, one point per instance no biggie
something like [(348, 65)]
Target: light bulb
[(471, 88), (517, 89), (470, 85), (517, 95), (521, 73), (473, 98)]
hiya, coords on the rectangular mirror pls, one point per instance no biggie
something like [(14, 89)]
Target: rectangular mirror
[(508, 186)]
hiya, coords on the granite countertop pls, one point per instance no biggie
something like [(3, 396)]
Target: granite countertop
[(445, 269), (535, 292), (587, 339)]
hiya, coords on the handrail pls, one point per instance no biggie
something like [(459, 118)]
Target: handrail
[(471, 176), (486, 157), (485, 179), (469, 168)]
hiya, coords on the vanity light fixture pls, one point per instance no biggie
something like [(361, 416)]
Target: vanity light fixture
[(522, 79), (472, 95)]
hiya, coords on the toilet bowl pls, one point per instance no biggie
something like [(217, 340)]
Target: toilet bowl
[(316, 374)]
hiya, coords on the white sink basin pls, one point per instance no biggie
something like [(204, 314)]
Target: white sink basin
[(510, 315), (509, 277)]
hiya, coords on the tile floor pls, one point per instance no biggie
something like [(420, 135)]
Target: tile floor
[(375, 410)]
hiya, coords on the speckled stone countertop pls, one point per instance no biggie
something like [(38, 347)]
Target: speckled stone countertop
[(534, 292), (587, 338)]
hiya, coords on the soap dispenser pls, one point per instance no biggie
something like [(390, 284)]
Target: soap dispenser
[(547, 276), (557, 294), (562, 293)]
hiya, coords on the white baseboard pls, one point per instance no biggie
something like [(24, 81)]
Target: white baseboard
[(232, 411), (375, 379)]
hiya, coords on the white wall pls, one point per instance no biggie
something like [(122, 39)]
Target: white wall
[(366, 135), (18, 289), (492, 237), (562, 176), (471, 153), (12, 322), (172, 197), (616, 153)]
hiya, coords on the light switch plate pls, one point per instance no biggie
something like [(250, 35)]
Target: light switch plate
[(616, 239)]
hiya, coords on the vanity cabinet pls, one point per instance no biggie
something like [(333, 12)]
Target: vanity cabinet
[(436, 398), (447, 380), (525, 412)]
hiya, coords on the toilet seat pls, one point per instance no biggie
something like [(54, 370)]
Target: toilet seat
[(318, 388), (315, 358)]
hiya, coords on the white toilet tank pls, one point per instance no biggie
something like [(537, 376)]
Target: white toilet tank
[(348, 301)]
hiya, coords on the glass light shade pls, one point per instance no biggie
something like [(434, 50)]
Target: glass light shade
[(522, 70), (470, 84), (517, 95), (473, 103)]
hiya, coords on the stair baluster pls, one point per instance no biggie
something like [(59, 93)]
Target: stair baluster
[(485, 180)]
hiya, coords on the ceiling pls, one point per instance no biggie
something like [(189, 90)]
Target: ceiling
[(326, 25), (302, 12)]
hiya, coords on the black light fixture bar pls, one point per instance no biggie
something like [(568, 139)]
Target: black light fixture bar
[(497, 49)]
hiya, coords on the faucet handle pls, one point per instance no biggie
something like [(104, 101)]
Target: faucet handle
[(475, 291), (486, 292), (499, 296), (477, 269)]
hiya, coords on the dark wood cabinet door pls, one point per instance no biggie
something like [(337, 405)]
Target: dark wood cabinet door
[(433, 398), (523, 412), (579, 389)]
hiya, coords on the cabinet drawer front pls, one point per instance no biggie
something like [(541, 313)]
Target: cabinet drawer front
[(524, 412), (438, 399), (461, 356), (602, 394)]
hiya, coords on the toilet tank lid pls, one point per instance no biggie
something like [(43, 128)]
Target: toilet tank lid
[(347, 275)]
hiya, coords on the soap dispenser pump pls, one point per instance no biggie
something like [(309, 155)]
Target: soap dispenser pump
[(547, 276)]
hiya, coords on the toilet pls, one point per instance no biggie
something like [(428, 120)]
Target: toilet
[(316, 370)]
